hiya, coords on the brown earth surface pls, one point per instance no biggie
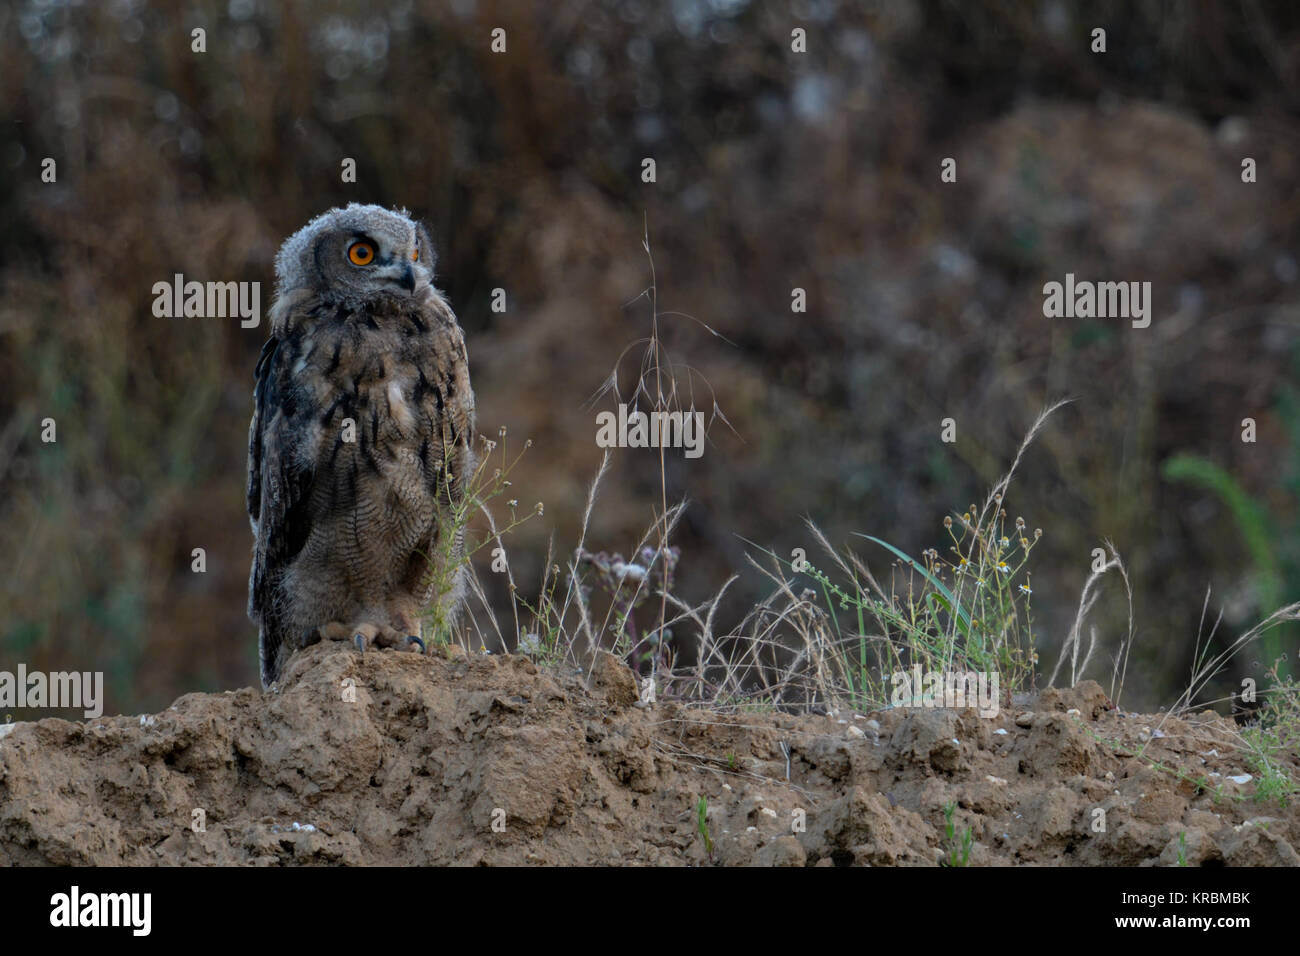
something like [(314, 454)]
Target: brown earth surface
[(493, 760)]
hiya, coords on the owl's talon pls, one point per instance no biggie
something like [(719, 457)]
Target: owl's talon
[(363, 634), (412, 639)]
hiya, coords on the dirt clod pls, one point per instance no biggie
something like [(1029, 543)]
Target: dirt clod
[(613, 680)]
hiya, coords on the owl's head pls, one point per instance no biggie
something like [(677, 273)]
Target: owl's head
[(352, 255)]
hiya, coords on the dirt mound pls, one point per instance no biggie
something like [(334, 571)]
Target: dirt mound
[(399, 758)]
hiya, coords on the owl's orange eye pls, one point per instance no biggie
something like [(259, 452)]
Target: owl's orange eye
[(361, 253), (415, 256)]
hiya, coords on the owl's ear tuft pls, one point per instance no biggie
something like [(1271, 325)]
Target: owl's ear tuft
[(428, 254)]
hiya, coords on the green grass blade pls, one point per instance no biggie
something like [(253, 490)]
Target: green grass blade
[(958, 612)]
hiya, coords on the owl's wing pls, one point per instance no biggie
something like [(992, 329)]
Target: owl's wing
[(255, 434), (280, 472)]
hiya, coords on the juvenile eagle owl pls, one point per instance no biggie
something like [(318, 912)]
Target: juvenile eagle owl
[(360, 443)]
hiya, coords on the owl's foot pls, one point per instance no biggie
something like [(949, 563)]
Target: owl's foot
[(364, 635)]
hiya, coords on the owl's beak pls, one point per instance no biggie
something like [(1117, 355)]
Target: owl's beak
[(407, 281)]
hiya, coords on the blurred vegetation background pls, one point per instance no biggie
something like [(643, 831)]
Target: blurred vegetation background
[(775, 170)]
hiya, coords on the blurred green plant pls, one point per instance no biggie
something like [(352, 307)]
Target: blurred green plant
[(1270, 542)]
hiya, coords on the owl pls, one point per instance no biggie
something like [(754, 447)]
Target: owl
[(360, 446)]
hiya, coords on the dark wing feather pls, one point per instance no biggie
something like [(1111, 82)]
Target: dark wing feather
[(279, 482), (255, 432)]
